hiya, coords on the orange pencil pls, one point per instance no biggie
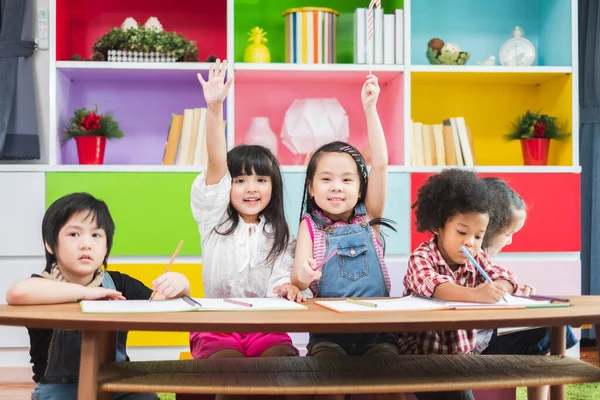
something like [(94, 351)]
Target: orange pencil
[(168, 266)]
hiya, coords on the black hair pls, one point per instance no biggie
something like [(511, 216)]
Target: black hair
[(249, 160), (505, 199), (59, 213), (451, 192), (309, 205)]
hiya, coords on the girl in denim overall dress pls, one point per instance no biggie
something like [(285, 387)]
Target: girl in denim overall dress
[(341, 213), (77, 231)]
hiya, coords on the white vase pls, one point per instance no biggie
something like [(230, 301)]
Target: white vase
[(260, 133)]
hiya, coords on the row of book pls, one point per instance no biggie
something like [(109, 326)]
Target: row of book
[(387, 43), (186, 143), (449, 143)]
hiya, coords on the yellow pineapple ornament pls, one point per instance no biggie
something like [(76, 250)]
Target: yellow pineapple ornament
[(257, 51)]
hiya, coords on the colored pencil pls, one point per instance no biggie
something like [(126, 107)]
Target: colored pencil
[(361, 302), (168, 266), (324, 261), (239, 303)]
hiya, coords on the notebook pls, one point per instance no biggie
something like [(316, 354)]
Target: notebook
[(421, 303), (186, 304), (408, 303), (511, 301)]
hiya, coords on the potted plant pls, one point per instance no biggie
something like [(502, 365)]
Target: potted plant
[(535, 130), (90, 131), (146, 43)]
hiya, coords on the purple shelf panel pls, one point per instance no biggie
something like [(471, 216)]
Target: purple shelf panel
[(141, 102)]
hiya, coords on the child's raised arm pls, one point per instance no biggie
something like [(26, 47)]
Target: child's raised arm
[(33, 291), (377, 189), (215, 91)]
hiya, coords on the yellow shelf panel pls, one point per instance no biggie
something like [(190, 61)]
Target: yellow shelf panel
[(146, 273), (489, 102)]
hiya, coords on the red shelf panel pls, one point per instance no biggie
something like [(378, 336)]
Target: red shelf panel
[(553, 211), (80, 22)]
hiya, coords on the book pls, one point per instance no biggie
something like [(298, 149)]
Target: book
[(511, 301), (187, 304), (407, 303), (421, 303)]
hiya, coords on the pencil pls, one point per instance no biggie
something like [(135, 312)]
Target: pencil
[(362, 303), (324, 261), (476, 265), (168, 266), (239, 303)]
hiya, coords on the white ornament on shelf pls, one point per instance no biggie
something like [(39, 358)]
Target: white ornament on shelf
[(153, 23), (129, 23), (517, 51), (260, 133), (491, 60), (311, 123), (137, 56)]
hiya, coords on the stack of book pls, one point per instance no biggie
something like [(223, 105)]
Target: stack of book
[(450, 143)]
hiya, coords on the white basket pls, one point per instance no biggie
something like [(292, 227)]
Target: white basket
[(138, 56)]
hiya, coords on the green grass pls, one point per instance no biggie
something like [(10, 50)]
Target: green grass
[(587, 391)]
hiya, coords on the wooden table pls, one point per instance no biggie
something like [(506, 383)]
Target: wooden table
[(98, 347)]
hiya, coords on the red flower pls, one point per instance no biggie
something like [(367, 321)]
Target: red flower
[(539, 129), (90, 122)]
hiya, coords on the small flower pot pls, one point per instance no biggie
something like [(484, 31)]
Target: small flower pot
[(90, 149), (535, 151)]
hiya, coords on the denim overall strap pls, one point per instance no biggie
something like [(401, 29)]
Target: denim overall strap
[(65, 350), (354, 272)]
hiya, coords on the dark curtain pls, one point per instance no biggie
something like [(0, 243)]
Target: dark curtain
[(589, 146), (18, 123)]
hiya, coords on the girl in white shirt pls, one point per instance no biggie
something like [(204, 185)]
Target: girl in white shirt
[(247, 248)]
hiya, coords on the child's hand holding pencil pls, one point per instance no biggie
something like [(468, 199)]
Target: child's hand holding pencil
[(170, 285)]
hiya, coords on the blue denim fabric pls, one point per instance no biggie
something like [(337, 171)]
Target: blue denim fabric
[(529, 342), (354, 272), (68, 391)]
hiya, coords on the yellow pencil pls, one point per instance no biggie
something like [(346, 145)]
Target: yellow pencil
[(168, 266), (362, 303)]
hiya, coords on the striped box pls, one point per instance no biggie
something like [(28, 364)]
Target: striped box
[(310, 35)]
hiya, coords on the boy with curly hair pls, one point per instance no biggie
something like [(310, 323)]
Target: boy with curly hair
[(456, 207)]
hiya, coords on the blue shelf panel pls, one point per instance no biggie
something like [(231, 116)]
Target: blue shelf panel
[(481, 27)]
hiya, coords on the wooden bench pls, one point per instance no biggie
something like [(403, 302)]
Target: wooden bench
[(351, 375)]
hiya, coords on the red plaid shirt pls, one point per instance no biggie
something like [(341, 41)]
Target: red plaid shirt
[(428, 269)]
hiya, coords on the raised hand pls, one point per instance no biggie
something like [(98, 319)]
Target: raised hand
[(215, 88), (100, 293), (370, 92)]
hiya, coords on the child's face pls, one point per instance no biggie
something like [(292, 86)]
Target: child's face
[(81, 248), (250, 195), (462, 230), (505, 238), (336, 185)]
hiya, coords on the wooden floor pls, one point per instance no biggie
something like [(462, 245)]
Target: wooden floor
[(16, 383)]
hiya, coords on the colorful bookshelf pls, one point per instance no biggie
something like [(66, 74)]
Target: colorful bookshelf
[(151, 202)]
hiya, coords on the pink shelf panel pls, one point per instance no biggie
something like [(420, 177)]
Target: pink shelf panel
[(270, 94)]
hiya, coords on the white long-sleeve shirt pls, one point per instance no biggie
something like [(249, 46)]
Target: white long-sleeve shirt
[(235, 265)]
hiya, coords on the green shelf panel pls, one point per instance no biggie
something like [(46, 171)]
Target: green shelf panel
[(151, 210), (267, 14)]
